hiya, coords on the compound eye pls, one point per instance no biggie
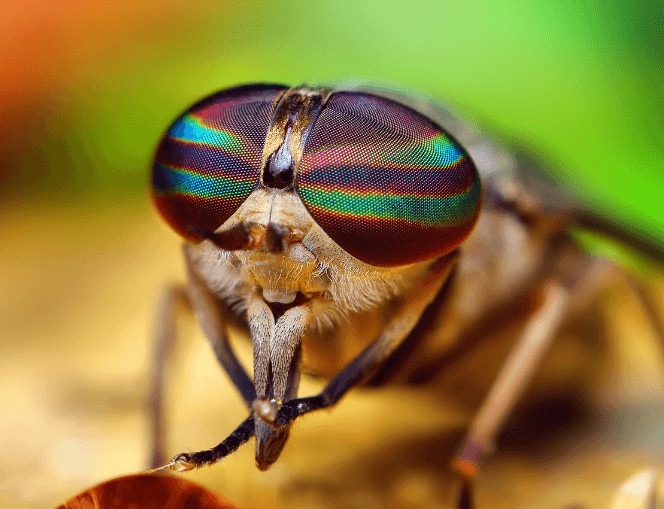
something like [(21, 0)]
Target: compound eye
[(209, 160), (385, 183)]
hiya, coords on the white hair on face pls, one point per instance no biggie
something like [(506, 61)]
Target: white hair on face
[(335, 282), (337, 285)]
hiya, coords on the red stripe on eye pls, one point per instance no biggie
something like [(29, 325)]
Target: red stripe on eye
[(385, 183), (198, 185), (397, 181), (388, 243)]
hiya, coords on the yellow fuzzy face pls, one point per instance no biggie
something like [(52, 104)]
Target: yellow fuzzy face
[(310, 263)]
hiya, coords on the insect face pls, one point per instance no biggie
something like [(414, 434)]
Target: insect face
[(385, 183), (304, 205), (290, 277), (307, 266)]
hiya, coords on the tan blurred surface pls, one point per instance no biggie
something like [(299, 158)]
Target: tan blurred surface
[(79, 282)]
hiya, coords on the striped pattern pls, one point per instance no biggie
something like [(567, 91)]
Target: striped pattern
[(192, 129), (385, 183), (209, 160)]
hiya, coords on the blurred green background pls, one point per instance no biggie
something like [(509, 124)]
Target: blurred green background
[(90, 86)]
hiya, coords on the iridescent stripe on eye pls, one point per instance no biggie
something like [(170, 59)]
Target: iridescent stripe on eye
[(191, 129), (423, 209), (446, 151), (387, 180), (385, 183), (188, 182), (436, 152), (204, 158), (209, 160)]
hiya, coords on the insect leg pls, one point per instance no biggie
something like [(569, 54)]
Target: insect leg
[(380, 348), (211, 316), (513, 378), (295, 323), (579, 280), (364, 364), (190, 460), (172, 298)]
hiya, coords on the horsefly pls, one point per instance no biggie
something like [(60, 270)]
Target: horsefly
[(308, 211)]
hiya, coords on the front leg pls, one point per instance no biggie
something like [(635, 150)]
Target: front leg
[(380, 350), (172, 299), (212, 316), (370, 359)]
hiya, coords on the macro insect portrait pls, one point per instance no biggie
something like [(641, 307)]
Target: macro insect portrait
[(332, 255), (372, 239)]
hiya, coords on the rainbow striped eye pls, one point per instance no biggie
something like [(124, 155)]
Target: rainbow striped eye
[(209, 160), (385, 183)]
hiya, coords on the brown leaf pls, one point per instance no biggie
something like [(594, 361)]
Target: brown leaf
[(147, 491)]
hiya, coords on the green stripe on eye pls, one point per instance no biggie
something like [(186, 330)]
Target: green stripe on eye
[(423, 210), (171, 180), (436, 152), (190, 129), (448, 152)]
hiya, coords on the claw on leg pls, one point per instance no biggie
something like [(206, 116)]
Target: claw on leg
[(179, 463), (182, 463), (465, 465), (191, 460)]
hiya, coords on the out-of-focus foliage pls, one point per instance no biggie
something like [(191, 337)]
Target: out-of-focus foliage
[(88, 87)]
